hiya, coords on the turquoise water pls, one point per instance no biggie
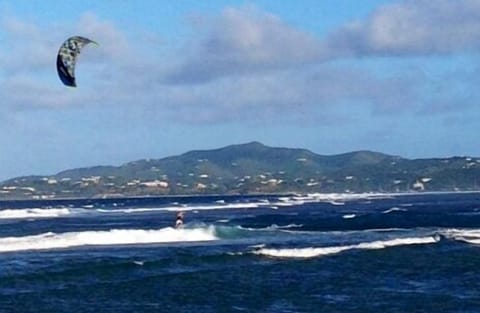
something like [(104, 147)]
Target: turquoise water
[(318, 253)]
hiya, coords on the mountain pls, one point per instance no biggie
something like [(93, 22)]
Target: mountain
[(253, 168)]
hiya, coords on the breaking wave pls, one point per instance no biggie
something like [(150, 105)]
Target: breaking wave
[(471, 236), (311, 252), (52, 240), (33, 213)]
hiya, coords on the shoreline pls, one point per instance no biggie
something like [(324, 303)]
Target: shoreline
[(317, 195)]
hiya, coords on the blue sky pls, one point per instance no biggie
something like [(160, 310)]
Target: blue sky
[(332, 76)]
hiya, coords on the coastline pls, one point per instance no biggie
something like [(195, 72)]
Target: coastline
[(294, 195)]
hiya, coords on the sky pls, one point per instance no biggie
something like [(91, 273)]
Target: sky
[(167, 77)]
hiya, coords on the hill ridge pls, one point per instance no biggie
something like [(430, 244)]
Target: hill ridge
[(253, 168)]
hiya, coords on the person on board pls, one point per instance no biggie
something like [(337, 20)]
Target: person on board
[(179, 220)]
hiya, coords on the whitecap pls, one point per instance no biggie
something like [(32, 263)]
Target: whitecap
[(259, 246), (300, 252), (193, 208), (33, 213), (394, 209), (234, 253), (52, 240), (471, 236), (311, 252), (274, 226)]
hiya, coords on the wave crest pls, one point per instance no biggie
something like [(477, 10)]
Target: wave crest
[(311, 252), (33, 213), (471, 236), (51, 240)]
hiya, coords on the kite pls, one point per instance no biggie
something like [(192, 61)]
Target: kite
[(67, 58)]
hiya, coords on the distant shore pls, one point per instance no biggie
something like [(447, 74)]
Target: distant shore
[(317, 196)]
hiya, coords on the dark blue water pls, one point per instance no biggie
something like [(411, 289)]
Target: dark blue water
[(365, 253)]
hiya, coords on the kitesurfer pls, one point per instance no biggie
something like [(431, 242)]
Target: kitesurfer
[(179, 220)]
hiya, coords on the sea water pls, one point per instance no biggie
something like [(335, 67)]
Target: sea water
[(309, 253)]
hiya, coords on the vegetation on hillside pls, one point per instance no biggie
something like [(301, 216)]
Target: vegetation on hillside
[(253, 168)]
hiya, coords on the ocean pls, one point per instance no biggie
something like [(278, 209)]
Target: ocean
[(312, 253)]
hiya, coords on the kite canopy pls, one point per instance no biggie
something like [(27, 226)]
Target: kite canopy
[(67, 58)]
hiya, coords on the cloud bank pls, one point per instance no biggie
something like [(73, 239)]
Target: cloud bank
[(242, 64), (410, 28)]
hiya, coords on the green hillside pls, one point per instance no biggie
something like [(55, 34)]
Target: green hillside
[(253, 168)]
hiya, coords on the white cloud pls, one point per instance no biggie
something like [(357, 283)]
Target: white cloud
[(26, 47), (113, 44), (242, 41), (245, 40), (243, 65), (412, 27)]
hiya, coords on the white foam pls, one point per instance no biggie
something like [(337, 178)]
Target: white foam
[(33, 213), (311, 252), (139, 210), (109, 237), (381, 244), (259, 246), (225, 206), (338, 198), (193, 208), (333, 198), (235, 253), (275, 226), (394, 209), (466, 235), (311, 197), (282, 204), (349, 216), (300, 252), (289, 201)]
